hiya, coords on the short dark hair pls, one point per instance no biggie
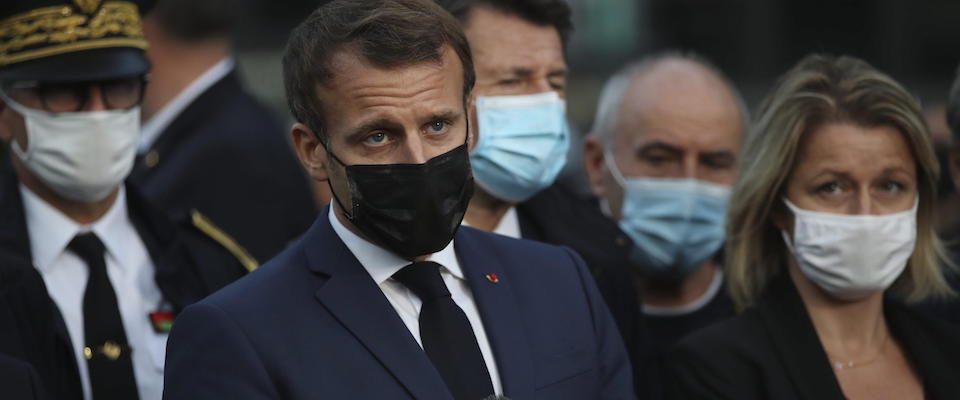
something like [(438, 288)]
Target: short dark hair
[(197, 20), (386, 33), (541, 12)]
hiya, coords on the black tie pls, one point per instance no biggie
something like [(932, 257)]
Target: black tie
[(105, 343), (446, 334)]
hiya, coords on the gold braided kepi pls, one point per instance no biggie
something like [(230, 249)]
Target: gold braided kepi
[(55, 30)]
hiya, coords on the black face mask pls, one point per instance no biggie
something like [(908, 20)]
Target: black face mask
[(410, 209)]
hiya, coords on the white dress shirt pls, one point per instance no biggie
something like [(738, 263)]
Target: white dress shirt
[(382, 264), (131, 273), (153, 127)]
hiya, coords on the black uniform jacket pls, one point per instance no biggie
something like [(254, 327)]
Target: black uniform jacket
[(29, 339), (190, 264), (226, 156), (558, 216), (19, 381), (772, 351)]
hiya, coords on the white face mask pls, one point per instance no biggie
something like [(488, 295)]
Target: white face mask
[(852, 256), (82, 156)]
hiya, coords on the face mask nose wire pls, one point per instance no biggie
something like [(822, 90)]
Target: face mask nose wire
[(614, 170)]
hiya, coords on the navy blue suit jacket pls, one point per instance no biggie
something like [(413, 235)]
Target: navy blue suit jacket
[(312, 324)]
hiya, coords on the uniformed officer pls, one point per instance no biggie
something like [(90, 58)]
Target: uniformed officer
[(72, 75)]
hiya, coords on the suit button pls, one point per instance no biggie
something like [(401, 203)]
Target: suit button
[(151, 159)]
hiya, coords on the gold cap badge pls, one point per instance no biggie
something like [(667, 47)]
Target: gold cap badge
[(87, 6)]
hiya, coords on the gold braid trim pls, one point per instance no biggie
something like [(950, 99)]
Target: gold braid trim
[(201, 222), (56, 30)]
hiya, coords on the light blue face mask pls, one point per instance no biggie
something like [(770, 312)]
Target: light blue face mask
[(676, 224), (522, 144)]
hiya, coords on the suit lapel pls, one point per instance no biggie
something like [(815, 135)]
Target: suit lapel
[(355, 300), (500, 312), (795, 339)]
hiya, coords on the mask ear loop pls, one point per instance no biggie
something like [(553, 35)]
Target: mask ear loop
[(343, 210), (16, 146), (783, 233), (612, 166), (617, 176)]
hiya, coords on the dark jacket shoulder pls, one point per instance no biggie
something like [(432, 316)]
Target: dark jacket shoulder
[(19, 380), (773, 351), (559, 216), (29, 335)]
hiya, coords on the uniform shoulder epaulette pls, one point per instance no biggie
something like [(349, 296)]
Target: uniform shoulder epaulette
[(202, 223)]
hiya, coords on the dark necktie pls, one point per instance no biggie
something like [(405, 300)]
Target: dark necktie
[(446, 334), (105, 343)]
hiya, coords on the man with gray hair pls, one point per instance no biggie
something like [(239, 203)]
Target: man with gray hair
[(662, 157)]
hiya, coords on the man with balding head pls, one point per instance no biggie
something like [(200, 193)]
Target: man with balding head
[(662, 157)]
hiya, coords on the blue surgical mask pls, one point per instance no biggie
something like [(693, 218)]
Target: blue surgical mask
[(676, 224), (522, 144)]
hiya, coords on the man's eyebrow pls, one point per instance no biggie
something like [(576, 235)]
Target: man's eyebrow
[(559, 72), (447, 115), (372, 125), (718, 153), (521, 71), (654, 146)]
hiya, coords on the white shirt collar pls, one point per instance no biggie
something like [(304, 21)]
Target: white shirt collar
[(380, 263), (152, 128), (51, 231)]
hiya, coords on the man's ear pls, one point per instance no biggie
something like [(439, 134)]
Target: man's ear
[(594, 165), (310, 151), (6, 134), (474, 133)]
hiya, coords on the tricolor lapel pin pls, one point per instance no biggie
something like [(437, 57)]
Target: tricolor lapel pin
[(492, 278), (162, 321)]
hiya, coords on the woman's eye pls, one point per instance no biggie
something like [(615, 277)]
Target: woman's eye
[(376, 139), (892, 186), (438, 127), (829, 188), (508, 82)]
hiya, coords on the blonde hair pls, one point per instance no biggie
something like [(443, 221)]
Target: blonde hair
[(821, 90)]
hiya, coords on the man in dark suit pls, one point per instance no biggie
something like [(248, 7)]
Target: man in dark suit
[(115, 271), (519, 55), (386, 297), (207, 144)]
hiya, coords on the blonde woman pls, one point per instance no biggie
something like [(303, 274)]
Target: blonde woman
[(830, 233)]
